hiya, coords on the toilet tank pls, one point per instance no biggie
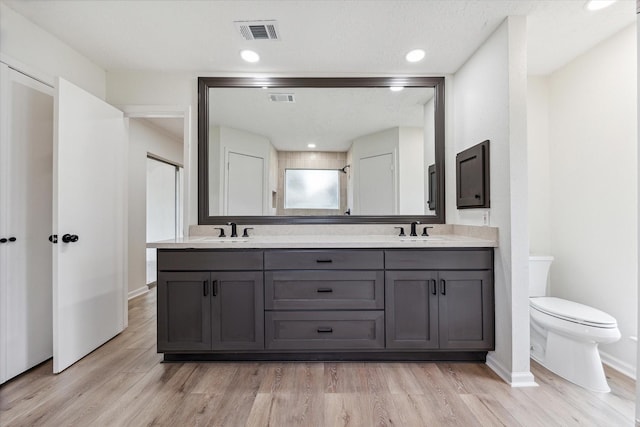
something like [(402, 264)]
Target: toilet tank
[(539, 274)]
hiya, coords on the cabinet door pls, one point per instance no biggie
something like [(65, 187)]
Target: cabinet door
[(238, 310), (184, 311), (466, 310), (411, 309)]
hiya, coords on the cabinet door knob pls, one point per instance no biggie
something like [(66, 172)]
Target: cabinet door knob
[(434, 291), (215, 288), (4, 240), (53, 238), (12, 239), (443, 287), (205, 288)]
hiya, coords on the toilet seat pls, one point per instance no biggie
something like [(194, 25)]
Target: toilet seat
[(573, 312)]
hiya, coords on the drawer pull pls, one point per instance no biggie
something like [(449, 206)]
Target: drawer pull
[(324, 261), (324, 330), (324, 290)]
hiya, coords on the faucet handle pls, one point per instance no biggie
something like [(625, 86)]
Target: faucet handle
[(401, 231), (221, 231), (245, 234), (425, 232)]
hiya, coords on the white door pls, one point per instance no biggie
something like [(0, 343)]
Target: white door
[(245, 184), (25, 222), (89, 218), (376, 185)]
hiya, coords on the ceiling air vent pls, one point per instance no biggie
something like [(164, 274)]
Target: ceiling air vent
[(258, 30), (282, 97)]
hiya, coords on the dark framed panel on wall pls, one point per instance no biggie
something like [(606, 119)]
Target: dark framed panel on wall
[(433, 187), (472, 177)]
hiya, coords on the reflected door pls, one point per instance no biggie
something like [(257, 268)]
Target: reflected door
[(376, 187), (245, 184), (89, 217)]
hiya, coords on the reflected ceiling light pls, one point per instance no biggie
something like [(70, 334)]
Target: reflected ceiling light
[(396, 88), (415, 55), (599, 4), (249, 56), (311, 145)]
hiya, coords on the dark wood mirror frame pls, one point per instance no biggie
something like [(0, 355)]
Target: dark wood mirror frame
[(205, 83)]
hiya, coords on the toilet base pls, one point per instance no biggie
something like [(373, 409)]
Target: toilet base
[(575, 361)]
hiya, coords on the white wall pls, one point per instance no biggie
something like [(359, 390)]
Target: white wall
[(638, 207), (32, 50), (539, 166), (592, 112), (429, 147), (412, 171), (145, 88), (144, 139), (489, 97)]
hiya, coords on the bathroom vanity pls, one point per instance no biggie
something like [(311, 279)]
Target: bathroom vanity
[(329, 299)]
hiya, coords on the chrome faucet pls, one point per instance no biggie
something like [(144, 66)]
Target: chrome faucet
[(234, 229), (413, 228)]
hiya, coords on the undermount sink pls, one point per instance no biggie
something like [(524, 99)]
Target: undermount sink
[(420, 239), (222, 239)]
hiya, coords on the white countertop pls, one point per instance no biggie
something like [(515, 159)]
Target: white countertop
[(325, 241)]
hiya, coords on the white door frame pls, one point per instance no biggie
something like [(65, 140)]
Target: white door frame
[(171, 112)]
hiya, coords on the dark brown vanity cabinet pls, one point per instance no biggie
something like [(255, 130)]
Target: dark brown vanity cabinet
[(210, 310), (429, 308), (349, 304)]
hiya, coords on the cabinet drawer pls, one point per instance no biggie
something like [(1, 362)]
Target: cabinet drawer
[(185, 260), (320, 290), (438, 259), (324, 260), (318, 330)]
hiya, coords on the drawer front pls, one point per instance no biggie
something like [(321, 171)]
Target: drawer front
[(203, 260), (323, 290), (476, 259), (324, 260), (316, 330)]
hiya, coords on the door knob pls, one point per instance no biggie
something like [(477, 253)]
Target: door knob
[(69, 238)]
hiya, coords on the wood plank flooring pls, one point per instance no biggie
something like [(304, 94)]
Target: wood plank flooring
[(124, 383)]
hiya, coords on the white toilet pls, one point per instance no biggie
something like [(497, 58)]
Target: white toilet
[(564, 334)]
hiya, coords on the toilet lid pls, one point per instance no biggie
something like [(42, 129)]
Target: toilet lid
[(573, 312)]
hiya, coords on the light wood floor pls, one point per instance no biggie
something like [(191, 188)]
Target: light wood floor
[(123, 383)]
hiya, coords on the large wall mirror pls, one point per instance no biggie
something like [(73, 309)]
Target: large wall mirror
[(320, 150)]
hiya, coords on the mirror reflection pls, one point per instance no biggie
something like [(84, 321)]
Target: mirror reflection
[(321, 151)]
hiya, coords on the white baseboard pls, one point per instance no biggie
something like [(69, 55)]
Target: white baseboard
[(137, 292), (624, 368), (514, 379)]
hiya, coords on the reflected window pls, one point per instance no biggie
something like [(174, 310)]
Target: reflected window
[(311, 189)]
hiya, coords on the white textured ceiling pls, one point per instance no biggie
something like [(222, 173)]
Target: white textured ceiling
[(338, 37)]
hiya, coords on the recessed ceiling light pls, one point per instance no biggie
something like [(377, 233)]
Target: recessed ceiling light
[(311, 145), (249, 56), (599, 4), (415, 55), (396, 88)]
